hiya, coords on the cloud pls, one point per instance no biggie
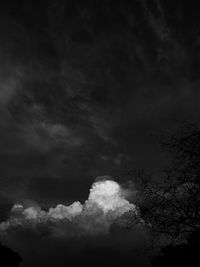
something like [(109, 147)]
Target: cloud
[(105, 205), (46, 136), (96, 232)]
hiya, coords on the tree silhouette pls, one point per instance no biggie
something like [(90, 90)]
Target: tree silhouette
[(172, 204), (8, 257)]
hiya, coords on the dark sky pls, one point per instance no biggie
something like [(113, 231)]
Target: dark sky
[(84, 88)]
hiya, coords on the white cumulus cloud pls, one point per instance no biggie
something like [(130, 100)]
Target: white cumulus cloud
[(106, 204)]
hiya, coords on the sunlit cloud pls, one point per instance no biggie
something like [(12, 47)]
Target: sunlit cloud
[(105, 205)]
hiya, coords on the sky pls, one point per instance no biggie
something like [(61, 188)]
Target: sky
[(85, 88)]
